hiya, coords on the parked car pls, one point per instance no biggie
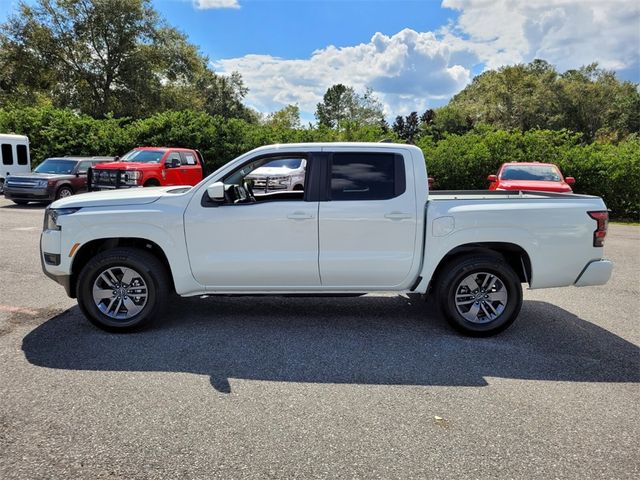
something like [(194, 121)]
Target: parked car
[(364, 223), (54, 178), (530, 176), (149, 167), (14, 157), (281, 174)]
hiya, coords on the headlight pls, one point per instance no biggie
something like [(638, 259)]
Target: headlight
[(130, 177), (51, 216)]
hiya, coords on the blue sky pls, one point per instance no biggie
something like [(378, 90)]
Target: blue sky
[(295, 28), (415, 54)]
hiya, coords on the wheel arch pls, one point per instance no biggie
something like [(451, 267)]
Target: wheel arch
[(152, 181), (93, 247), (65, 184), (514, 255)]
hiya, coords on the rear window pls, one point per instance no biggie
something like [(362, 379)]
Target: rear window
[(7, 154), (366, 176), (545, 173)]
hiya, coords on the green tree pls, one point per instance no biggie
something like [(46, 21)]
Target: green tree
[(287, 117), (101, 56), (588, 100), (399, 126), (342, 104)]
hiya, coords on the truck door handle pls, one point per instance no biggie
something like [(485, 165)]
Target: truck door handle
[(300, 216), (397, 216)]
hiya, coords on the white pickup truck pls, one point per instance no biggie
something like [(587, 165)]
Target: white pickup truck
[(364, 222)]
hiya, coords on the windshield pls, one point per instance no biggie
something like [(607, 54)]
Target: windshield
[(56, 166), (546, 173), (146, 156)]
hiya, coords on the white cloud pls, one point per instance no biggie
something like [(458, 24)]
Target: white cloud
[(406, 71), (567, 33), (210, 4), (413, 70)]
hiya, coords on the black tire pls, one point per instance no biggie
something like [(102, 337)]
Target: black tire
[(298, 188), (151, 183), (63, 192), (479, 267), (20, 202), (149, 269)]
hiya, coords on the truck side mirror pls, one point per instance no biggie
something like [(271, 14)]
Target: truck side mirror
[(492, 178), (216, 192), (173, 163), (570, 180)]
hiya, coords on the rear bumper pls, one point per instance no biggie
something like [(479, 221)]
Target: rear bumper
[(596, 272)]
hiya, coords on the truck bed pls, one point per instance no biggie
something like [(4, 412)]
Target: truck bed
[(436, 195)]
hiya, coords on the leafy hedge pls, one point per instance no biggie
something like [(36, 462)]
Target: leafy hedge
[(606, 170), (611, 171)]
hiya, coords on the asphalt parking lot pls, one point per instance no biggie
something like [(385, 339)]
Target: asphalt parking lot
[(372, 387)]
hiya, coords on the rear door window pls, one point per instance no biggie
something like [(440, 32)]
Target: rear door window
[(188, 158), (366, 176)]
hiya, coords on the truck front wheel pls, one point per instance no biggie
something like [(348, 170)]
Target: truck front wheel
[(480, 295), (122, 290)]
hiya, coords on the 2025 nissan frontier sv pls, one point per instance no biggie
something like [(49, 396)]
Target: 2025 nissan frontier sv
[(364, 222)]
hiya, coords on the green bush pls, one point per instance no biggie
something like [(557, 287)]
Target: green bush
[(606, 170), (456, 161)]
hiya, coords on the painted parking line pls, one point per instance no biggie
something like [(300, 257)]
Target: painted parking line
[(25, 229)]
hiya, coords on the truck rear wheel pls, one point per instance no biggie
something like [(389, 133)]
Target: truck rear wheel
[(480, 295), (123, 289)]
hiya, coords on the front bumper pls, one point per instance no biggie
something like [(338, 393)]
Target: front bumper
[(597, 272), (31, 194), (59, 272)]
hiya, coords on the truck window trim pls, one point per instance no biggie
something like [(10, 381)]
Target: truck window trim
[(311, 180)]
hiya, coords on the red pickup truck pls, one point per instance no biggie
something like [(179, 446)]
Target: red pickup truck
[(149, 167)]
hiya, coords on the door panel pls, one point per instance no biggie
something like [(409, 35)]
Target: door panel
[(191, 172), (172, 175), (261, 245), (368, 242)]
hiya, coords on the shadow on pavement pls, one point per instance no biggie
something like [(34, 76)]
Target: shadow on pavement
[(369, 340)]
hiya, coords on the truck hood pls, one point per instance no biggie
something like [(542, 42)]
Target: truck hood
[(271, 172), (40, 176), (538, 185), (126, 166), (116, 198)]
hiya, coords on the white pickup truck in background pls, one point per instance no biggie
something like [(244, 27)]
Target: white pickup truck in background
[(363, 222), (279, 174)]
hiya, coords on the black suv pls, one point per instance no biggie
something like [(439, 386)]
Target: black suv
[(54, 178)]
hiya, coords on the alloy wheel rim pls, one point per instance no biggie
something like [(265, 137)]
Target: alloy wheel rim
[(120, 292), (65, 193), (481, 297)]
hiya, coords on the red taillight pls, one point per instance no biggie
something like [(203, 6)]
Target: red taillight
[(602, 218)]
